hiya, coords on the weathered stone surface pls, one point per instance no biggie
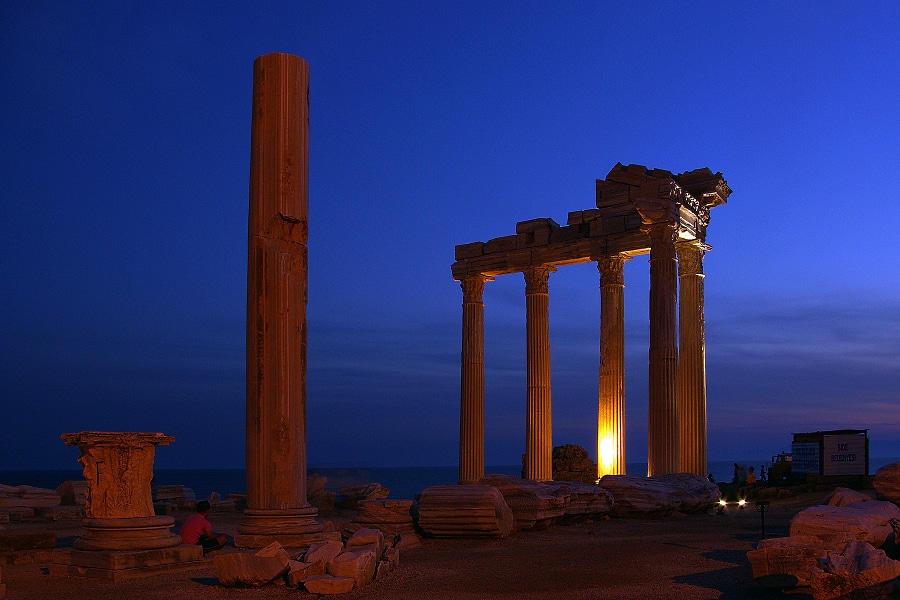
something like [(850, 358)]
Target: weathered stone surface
[(327, 584), (317, 495), (383, 568), (27, 496), (572, 463), (358, 566), (324, 551), (352, 495), (695, 492), (368, 537), (640, 495), (859, 571), (533, 504), (72, 493), (867, 521), (274, 550), (61, 513), (298, 571), (390, 516), (887, 483), (784, 563), (843, 496), (125, 460), (464, 511), (240, 568), (392, 555)]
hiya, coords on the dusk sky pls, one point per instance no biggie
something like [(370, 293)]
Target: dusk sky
[(125, 170)]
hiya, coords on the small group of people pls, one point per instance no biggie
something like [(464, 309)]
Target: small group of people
[(197, 530), (746, 475)]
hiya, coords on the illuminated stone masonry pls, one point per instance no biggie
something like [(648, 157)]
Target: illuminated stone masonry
[(639, 211)]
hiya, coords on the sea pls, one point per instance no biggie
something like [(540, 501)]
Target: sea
[(403, 482)]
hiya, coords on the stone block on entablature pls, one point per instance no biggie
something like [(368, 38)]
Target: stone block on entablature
[(469, 250), (500, 244)]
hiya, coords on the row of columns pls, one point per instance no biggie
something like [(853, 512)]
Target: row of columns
[(677, 393)]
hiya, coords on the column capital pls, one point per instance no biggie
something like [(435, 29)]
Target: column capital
[(610, 268), (690, 257), (473, 287), (537, 279), (662, 239)]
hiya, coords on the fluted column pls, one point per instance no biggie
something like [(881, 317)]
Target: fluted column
[(611, 395), (539, 422), (471, 413), (662, 419), (277, 508), (691, 359)]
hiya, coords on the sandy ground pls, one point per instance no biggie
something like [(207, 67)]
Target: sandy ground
[(691, 557)]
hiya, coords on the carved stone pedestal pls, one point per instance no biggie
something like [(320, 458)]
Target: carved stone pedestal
[(124, 538)]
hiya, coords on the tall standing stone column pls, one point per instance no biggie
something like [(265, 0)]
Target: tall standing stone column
[(277, 508), (611, 396), (691, 359), (471, 417), (662, 419), (539, 422)]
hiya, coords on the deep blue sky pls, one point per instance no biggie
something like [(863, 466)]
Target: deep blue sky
[(125, 163)]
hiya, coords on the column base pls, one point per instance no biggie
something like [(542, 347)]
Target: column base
[(128, 534), (292, 528)]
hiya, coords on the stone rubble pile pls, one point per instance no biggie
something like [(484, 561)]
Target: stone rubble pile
[(327, 568), (835, 548)]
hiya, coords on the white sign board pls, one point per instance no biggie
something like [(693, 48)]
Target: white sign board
[(844, 454)]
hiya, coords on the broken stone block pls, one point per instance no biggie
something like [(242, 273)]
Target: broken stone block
[(300, 571), (635, 496), (242, 568), (274, 550), (360, 567), (382, 569), (352, 495), (390, 516), (843, 496), (27, 496), (533, 504), (11, 540), (72, 493), (867, 521), (695, 492), (328, 584), (859, 571), (887, 483), (367, 537), (785, 563), (392, 555), (465, 511), (324, 551), (407, 540)]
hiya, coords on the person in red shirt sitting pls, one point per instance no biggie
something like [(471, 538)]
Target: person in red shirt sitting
[(197, 530)]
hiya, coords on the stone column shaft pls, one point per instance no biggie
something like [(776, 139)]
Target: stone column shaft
[(611, 396), (277, 508), (539, 422), (662, 420), (471, 418), (692, 359)]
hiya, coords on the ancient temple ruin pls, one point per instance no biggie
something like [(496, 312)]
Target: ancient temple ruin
[(639, 211)]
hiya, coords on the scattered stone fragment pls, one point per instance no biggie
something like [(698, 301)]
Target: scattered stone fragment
[(887, 483), (534, 505), (842, 496), (406, 540), (784, 563), (11, 540), (328, 584), (27, 496), (254, 570), (695, 492), (324, 551), (367, 537), (859, 571), (390, 516), (636, 496), (464, 511), (72, 493), (301, 571), (358, 566), (317, 495), (867, 521), (352, 495)]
